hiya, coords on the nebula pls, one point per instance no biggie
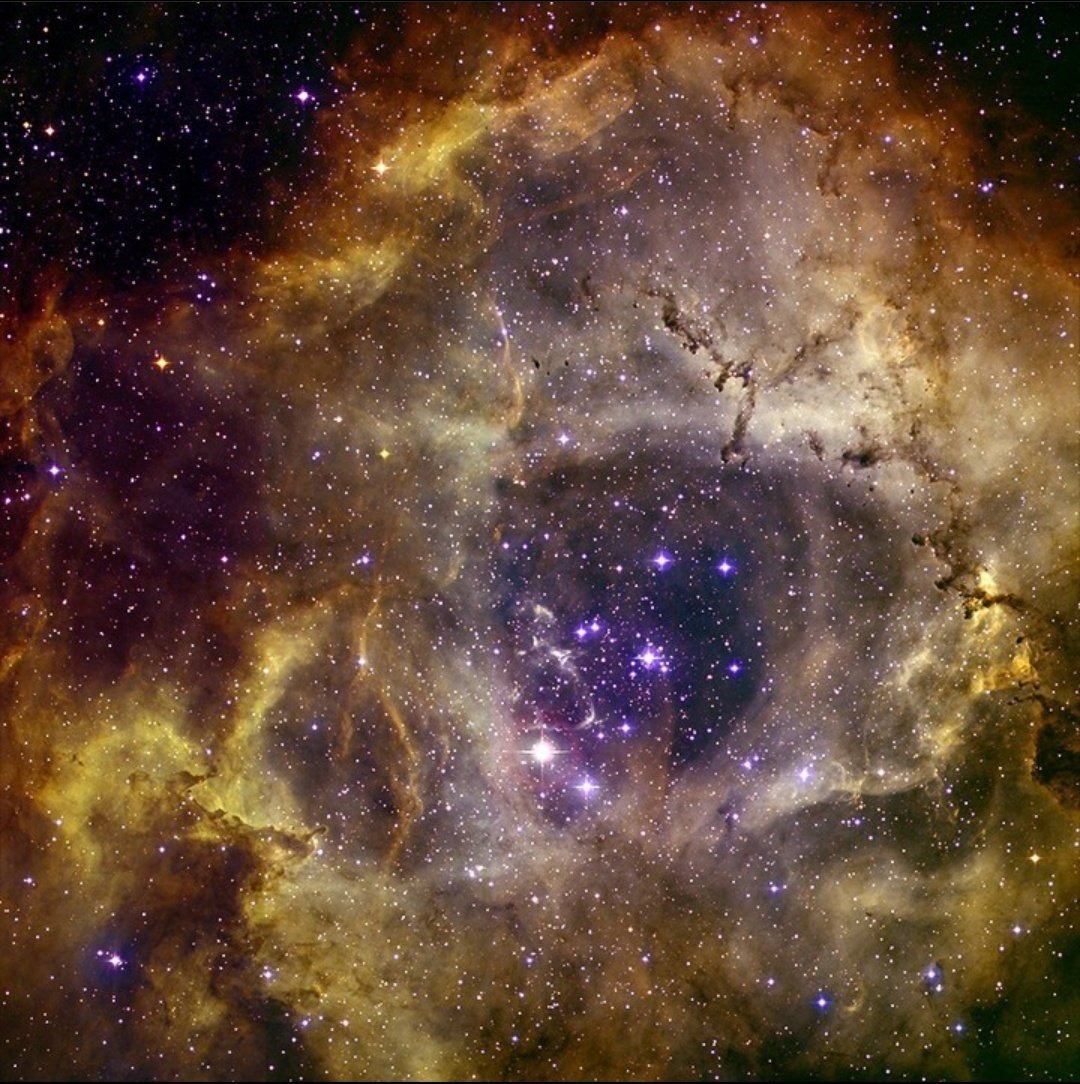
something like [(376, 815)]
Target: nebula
[(590, 595)]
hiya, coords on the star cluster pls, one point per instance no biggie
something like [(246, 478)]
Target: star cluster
[(539, 542)]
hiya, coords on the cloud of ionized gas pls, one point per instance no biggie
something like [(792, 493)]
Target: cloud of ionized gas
[(282, 633)]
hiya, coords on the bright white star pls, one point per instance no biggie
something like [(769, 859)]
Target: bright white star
[(542, 751)]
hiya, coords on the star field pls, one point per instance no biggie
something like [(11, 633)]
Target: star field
[(539, 542)]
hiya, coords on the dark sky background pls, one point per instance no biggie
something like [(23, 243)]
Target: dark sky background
[(539, 541)]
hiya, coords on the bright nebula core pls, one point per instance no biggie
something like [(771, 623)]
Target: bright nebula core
[(539, 542)]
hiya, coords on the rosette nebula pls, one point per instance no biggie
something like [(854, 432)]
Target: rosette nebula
[(539, 542)]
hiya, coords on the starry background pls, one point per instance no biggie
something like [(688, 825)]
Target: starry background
[(539, 542)]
